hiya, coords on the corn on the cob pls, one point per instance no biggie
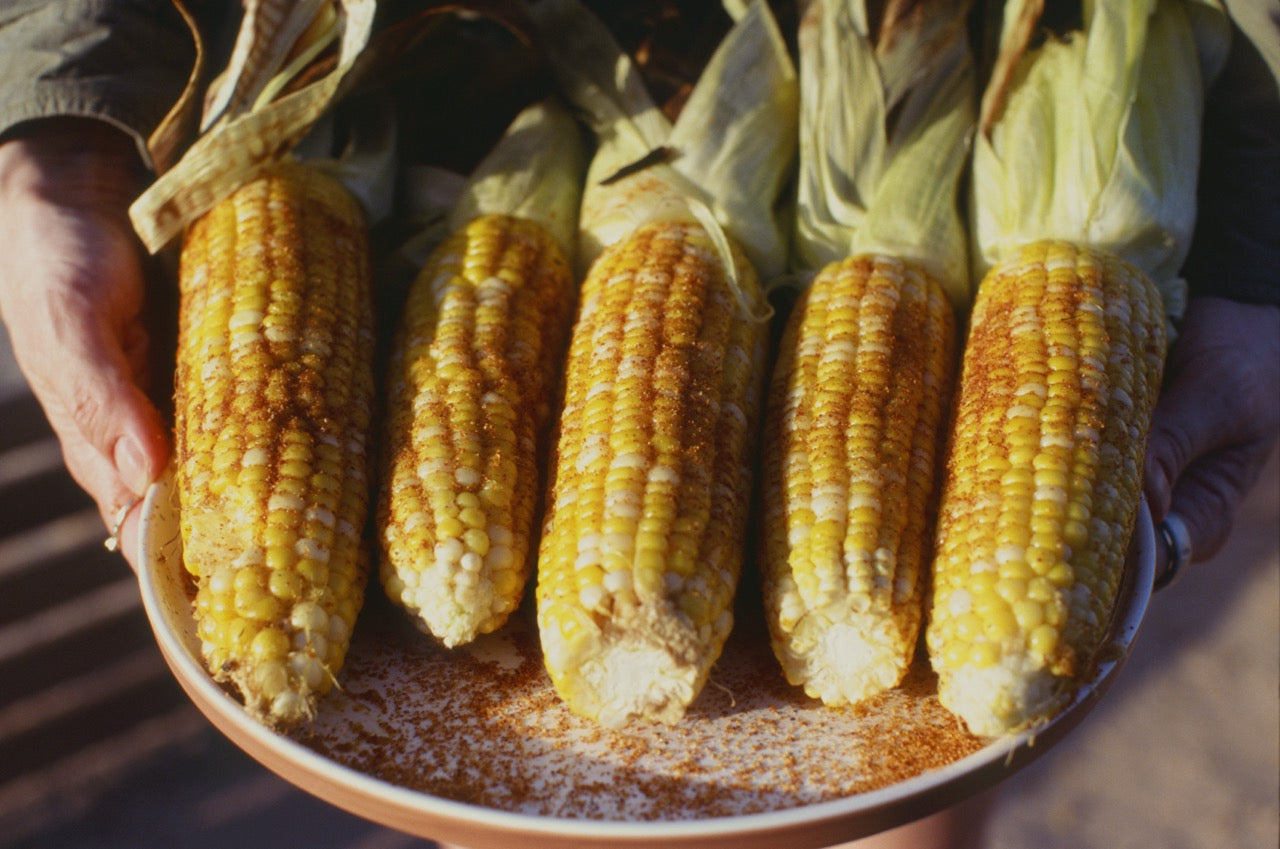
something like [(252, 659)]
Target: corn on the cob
[(643, 539), (852, 432), (1042, 479), (273, 394), (472, 373)]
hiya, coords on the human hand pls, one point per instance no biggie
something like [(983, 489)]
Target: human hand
[(71, 295), (1217, 420)]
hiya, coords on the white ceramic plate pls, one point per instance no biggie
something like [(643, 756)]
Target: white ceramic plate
[(473, 747)]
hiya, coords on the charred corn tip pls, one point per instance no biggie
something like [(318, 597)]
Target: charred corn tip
[(1043, 477), (643, 536), (471, 376), (856, 403), (273, 392)]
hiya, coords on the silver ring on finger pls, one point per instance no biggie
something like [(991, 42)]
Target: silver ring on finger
[(1177, 542), (112, 543)]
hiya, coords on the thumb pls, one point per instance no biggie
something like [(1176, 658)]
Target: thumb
[(109, 410), (113, 437)]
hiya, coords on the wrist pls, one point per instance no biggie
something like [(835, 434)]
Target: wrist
[(72, 161)]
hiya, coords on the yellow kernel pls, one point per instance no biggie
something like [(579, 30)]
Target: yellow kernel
[(280, 557), (257, 604), (1075, 533), (968, 627), (1043, 640), (476, 540), (1011, 589), (1061, 575), (269, 644), (287, 585), (449, 528), (1000, 623), (1041, 590), (1029, 614), (695, 606), (984, 655), (474, 517), (313, 572)]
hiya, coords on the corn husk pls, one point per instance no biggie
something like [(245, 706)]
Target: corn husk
[(886, 122), (1095, 138), (723, 163), (248, 122), (535, 171)]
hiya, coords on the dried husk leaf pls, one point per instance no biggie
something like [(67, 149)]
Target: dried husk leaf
[(238, 147)]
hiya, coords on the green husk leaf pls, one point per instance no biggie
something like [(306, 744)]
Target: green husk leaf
[(725, 161), (1096, 138), (886, 124), (535, 171)]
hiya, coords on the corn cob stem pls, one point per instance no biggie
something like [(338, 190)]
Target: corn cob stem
[(851, 435), (273, 393), (1042, 480), (472, 373), (642, 544)]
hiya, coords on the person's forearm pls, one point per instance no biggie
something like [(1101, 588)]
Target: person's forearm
[(124, 62)]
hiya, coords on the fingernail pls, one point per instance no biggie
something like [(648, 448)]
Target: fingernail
[(131, 465)]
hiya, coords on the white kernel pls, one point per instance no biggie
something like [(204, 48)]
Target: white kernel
[(245, 318), (591, 597), (617, 581), (256, 457), (283, 501), (415, 520), (629, 460), (1009, 553), (664, 474), (499, 557), (449, 551), (278, 333), (308, 668), (1053, 494), (621, 543), (309, 548), (467, 477), (309, 616), (287, 704)]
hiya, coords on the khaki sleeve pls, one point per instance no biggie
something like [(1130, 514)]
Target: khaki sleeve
[(121, 61), (1236, 249)]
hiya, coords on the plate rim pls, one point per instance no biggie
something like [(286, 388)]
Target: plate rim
[(407, 809)]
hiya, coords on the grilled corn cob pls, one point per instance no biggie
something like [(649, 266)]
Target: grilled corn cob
[(473, 369), (273, 394), (851, 435), (642, 544), (1042, 480), (864, 373)]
